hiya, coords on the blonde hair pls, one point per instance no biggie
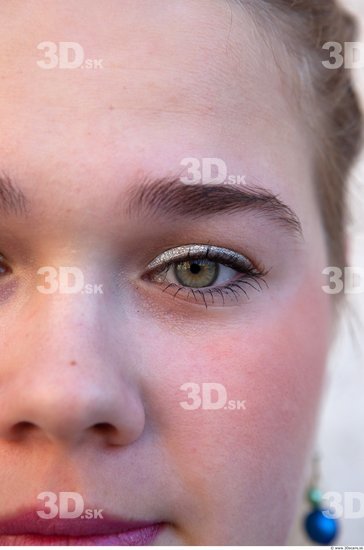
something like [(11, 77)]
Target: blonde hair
[(334, 117)]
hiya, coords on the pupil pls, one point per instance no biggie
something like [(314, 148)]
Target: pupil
[(195, 268)]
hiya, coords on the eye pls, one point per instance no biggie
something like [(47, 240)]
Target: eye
[(197, 273), (205, 274), (4, 267)]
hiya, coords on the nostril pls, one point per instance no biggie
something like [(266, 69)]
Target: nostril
[(25, 425), (21, 428), (104, 428), (107, 431)]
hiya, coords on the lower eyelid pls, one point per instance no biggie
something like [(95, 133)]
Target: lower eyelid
[(215, 296), (236, 292)]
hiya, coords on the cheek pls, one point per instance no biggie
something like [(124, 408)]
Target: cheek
[(232, 460)]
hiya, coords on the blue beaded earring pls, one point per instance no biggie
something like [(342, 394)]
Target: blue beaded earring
[(319, 527)]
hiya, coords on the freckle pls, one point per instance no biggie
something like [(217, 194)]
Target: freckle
[(73, 363), (111, 107)]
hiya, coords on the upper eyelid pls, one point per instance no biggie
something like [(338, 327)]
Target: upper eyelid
[(196, 251)]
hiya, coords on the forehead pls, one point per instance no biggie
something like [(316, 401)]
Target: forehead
[(177, 79)]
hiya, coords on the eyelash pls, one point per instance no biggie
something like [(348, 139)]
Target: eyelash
[(251, 278)]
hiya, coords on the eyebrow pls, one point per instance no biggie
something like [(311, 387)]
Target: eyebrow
[(12, 199), (171, 197)]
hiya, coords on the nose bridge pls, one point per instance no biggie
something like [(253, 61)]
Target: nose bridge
[(67, 320), (65, 381), (58, 329)]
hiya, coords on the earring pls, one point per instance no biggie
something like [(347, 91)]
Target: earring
[(319, 526)]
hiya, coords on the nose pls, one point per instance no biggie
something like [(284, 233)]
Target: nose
[(63, 378)]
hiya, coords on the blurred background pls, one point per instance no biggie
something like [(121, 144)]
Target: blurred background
[(340, 438)]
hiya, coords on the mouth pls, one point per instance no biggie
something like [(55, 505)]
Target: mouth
[(28, 529)]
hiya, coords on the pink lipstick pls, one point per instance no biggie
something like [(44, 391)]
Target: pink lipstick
[(28, 529)]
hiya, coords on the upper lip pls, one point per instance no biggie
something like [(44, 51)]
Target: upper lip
[(28, 522)]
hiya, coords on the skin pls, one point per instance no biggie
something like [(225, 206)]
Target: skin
[(179, 79)]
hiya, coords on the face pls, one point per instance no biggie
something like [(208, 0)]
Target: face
[(180, 386)]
